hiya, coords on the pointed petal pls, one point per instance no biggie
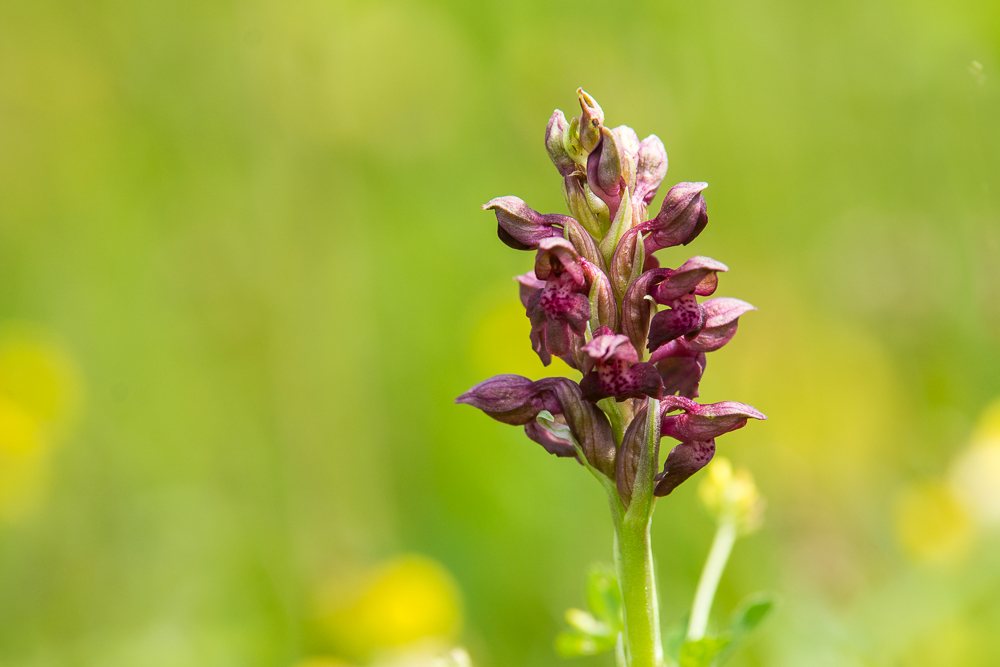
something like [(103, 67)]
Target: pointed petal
[(685, 318), (520, 226), (555, 143), (704, 422), (683, 461), (682, 217), (697, 275), (650, 168)]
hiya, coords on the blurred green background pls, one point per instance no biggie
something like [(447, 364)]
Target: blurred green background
[(244, 273)]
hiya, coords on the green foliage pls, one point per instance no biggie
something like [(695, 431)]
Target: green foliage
[(716, 651), (701, 653), (594, 631)]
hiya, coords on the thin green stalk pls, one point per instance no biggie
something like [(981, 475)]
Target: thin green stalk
[(722, 546), (634, 557), (634, 563)]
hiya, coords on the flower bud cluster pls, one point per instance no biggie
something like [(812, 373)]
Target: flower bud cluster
[(598, 299)]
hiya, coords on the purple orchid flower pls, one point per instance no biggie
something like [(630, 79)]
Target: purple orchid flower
[(678, 290), (681, 362), (560, 309), (696, 430), (516, 400), (520, 226), (617, 371)]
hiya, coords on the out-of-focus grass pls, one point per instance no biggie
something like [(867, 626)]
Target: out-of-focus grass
[(254, 228)]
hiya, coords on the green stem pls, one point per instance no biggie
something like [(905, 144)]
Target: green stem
[(634, 555), (722, 546), (634, 563)]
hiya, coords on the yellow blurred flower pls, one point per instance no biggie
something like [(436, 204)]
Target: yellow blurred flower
[(38, 396), (932, 524), (403, 601), (975, 474), (732, 495), (23, 459)]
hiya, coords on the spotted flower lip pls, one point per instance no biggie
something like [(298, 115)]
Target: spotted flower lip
[(682, 462), (521, 227), (679, 289), (681, 362), (616, 370), (517, 400), (561, 308)]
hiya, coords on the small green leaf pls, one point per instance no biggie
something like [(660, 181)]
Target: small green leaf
[(751, 613), (603, 596), (700, 653), (748, 616), (673, 640)]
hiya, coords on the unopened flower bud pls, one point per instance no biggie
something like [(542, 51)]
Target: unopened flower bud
[(606, 167), (627, 262), (730, 495), (591, 121), (588, 209), (651, 167), (556, 142), (682, 217), (628, 145), (520, 226), (603, 307)]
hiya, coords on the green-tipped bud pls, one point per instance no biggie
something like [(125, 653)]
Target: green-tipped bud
[(624, 221), (581, 204), (556, 141), (603, 306), (591, 121), (627, 262)]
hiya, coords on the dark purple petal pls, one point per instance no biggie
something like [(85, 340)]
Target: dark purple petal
[(681, 374), (528, 284), (721, 319), (618, 380), (607, 346), (616, 372), (636, 308), (683, 215), (557, 256), (650, 168), (511, 399), (683, 461), (697, 275), (684, 319), (704, 422), (520, 226), (551, 443)]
